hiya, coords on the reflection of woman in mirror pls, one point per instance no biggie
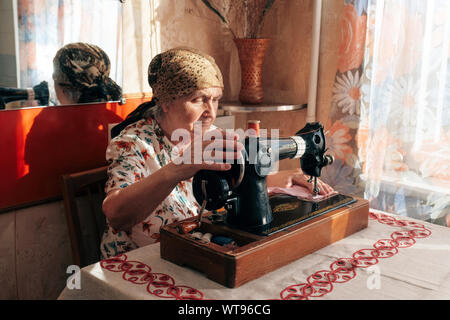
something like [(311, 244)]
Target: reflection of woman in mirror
[(81, 75)]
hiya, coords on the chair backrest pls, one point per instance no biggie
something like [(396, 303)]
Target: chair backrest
[(83, 194)]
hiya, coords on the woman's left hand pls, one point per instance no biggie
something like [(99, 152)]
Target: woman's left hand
[(288, 178)]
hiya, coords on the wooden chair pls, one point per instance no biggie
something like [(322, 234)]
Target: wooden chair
[(83, 194)]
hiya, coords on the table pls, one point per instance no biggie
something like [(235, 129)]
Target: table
[(394, 258)]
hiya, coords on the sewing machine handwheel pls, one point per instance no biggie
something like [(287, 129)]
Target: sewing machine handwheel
[(217, 189), (328, 159)]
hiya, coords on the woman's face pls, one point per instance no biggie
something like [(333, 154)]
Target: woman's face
[(185, 111)]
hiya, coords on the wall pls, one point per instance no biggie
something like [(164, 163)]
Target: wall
[(289, 26), (153, 26), (8, 74), (34, 252), (286, 68)]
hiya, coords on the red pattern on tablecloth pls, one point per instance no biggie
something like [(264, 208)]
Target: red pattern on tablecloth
[(344, 269), (158, 284), (318, 284)]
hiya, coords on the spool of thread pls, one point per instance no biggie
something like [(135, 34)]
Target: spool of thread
[(186, 227), (206, 238), (253, 128), (221, 240), (197, 235)]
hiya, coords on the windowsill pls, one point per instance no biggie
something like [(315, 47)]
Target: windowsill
[(414, 188)]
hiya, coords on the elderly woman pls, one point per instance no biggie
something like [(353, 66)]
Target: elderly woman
[(81, 75), (147, 187)]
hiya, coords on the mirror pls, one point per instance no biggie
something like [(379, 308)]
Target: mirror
[(41, 28)]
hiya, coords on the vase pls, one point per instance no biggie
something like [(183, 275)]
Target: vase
[(251, 57)]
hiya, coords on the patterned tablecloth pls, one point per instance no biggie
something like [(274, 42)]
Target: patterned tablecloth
[(394, 258)]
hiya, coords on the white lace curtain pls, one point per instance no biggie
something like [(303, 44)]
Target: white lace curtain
[(390, 117)]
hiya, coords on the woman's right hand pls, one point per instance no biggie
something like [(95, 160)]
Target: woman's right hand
[(214, 150)]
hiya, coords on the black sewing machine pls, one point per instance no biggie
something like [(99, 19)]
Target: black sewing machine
[(257, 234), (243, 192)]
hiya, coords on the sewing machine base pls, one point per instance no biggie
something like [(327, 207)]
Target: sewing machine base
[(288, 211), (258, 254)]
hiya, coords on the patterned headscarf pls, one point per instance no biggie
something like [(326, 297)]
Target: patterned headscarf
[(173, 74), (181, 71), (84, 66)]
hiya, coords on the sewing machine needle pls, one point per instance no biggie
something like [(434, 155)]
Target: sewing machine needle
[(316, 190)]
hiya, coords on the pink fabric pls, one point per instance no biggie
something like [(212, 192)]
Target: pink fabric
[(299, 192)]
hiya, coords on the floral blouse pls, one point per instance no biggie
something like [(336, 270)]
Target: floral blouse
[(139, 150)]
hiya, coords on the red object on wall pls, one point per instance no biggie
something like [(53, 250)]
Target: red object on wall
[(38, 145)]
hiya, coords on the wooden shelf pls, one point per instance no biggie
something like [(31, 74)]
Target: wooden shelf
[(237, 107)]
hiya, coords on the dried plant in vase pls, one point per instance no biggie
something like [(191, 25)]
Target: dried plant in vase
[(245, 20)]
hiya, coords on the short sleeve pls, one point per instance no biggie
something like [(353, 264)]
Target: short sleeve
[(128, 158), (138, 151)]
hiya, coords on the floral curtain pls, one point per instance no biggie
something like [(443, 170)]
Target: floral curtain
[(389, 126), (47, 25)]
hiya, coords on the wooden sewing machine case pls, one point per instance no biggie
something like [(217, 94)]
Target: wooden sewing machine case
[(257, 255)]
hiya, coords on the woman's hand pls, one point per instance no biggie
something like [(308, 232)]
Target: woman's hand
[(288, 178), (214, 150)]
